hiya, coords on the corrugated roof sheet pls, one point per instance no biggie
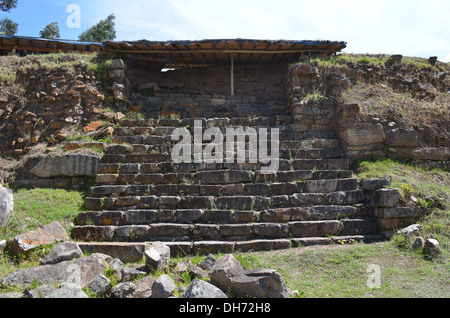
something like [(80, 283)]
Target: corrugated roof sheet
[(35, 45)]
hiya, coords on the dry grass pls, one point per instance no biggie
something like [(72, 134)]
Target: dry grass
[(381, 100)]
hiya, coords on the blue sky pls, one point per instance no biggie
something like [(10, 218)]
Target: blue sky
[(409, 27)]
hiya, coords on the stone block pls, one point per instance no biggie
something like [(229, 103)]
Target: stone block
[(235, 203), (321, 186), (189, 216), (362, 134), (141, 217), (374, 184), (117, 64), (314, 228), (157, 256), (93, 233), (347, 184), (46, 235), (206, 232), (401, 212), (71, 166), (193, 202), (271, 230), (93, 204), (386, 197), (330, 212), (148, 202), (402, 138), (346, 197)]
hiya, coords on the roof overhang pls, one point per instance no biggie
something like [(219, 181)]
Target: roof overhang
[(40, 45), (210, 52)]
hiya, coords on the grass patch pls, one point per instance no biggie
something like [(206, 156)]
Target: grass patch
[(342, 272), (383, 101), (10, 65), (344, 60), (36, 207), (412, 180)]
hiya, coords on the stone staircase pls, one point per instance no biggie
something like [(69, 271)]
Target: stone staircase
[(142, 196)]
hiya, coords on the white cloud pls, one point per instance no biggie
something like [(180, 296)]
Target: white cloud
[(408, 27)]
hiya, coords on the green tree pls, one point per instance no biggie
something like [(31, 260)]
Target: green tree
[(7, 5), (8, 27), (101, 32), (51, 31)]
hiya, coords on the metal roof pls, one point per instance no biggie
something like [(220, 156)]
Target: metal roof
[(207, 52), (38, 45)]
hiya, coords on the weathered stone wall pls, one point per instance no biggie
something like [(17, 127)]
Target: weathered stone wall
[(315, 99), (45, 104), (265, 82)]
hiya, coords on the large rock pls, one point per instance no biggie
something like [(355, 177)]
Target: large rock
[(41, 291), (157, 256), (65, 251), (6, 205), (69, 166), (163, 287), (46, 235), (229, 274), (431, 246), (68, 291), (123, 290), (80, 272), (144, 287), (201, 289), (363, 134), (100, 285)]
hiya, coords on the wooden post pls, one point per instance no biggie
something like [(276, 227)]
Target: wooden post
[(232, 74)]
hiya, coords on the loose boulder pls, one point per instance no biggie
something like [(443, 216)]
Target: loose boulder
[(229, 274), (100, 285), (201, 289), (65, 251), (46, 235), (157, 256), (123, 290), (80, 272), (163, 287), (432, 247), (68, 291)]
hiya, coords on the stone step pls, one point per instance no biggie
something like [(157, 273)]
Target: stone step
[(134, 173), (241, 181), (173, 197), (286, 172), (171, 213), (206, 122), (134, 252), (218, 183), (284, 164), (226, 182), (171, 232), (287, 149)]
